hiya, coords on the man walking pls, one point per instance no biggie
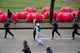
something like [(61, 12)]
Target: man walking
[(7, 30), (55, 29), (75, 26), (9, 17), (7, 23), (34, 28), (75, 29)]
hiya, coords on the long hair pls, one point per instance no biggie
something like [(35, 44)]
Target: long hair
[(8, 10), (25, 43)]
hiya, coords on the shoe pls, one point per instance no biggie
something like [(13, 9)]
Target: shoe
[(5, 38), (73, 38), (34, 39)]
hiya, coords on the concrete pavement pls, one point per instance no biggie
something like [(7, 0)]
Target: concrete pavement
[(59, 45), (67, 25)]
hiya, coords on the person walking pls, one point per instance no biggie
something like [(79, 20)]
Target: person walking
[(9, 17), (49, 50), (7, 24), (76, 17), (7, 30), (75, 29), (26, 47), (37, 37), (34, 28), (55, 29)]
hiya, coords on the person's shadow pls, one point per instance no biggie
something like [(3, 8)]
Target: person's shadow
[(78, 51)]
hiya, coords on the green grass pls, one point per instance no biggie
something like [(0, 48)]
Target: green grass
[(19, 5), (59, 4)]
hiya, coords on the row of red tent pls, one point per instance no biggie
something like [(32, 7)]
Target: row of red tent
[(29, 14)]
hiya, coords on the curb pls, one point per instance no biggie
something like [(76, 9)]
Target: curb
[(42, 28)]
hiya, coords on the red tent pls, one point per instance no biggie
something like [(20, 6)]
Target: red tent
[(6, 16), (47, 14), (3, 16), (55, 14), (79, 12), (2, 12), (64, 17), (20, 15), (30, 9), (30, 17), (25, 12), (45, 10), (14, 17), (67, 9), (67, 17), (75, 12), (39, 17), (59, 17)]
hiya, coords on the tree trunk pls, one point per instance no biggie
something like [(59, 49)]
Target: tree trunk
[(51, 10)]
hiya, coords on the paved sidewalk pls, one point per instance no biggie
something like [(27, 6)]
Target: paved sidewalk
[(42, 25), (45, 52), (58, 44)]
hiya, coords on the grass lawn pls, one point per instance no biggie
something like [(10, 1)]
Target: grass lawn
[(19, 5)]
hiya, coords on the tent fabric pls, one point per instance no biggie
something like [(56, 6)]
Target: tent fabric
[(67, 9), (30, 9), (46, 9), (64, 17)]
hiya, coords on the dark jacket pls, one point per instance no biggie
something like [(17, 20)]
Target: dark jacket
[(6, 24), (49, 50), (75, 26), (26, 49), (55, 26), (9, 13), (9, 17)]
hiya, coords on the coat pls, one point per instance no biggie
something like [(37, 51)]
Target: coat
[(26, 49)]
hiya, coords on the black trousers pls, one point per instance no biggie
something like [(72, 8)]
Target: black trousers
[(56, 32), (73, 34), (7, 31), (34, 33)]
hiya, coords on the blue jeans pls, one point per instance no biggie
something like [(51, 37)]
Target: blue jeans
[(10, 20)]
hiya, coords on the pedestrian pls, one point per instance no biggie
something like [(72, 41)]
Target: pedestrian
[(34, 28), (75, 29), (7, 24), (7, 30), (9, 17), (26, 47), (55, 29), (37, 37), (49, 50), (76, 17)]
